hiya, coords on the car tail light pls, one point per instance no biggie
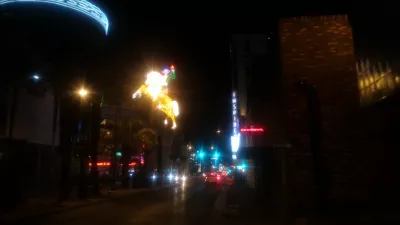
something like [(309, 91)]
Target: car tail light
[(218, 177)]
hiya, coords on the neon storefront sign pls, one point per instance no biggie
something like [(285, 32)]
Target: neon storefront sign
[(251, 130), (235, 138)]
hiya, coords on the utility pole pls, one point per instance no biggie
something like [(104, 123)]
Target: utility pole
[(117, 132), (94, 141), (82, 155)]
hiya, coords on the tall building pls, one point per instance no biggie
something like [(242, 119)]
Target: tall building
[(255, 82), (50, 46), (339, 116), (246, 50), (45, 41)]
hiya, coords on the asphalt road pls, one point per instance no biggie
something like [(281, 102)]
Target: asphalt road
[(192, 204)]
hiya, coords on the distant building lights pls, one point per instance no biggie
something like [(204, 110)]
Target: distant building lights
[(235, 142)]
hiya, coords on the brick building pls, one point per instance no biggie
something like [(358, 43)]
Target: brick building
[(342, 152)]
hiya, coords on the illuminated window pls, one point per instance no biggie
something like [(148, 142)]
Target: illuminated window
[(375, 81)]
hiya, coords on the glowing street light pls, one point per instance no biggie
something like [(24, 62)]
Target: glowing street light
[(216, 155), (218, 131), (212, 147), (201, 155), (82, 92), (36, 77)]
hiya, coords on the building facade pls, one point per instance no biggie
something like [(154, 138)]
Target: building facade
[(247, 50), (256, 80), (49, 46)]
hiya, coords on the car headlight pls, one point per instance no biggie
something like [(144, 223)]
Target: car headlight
[(183, 178), (176, 178), (170, 177)]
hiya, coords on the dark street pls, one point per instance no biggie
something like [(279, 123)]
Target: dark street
[(255, 115), (180, 204)]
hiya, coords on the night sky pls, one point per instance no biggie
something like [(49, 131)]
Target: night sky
[(200, 48), (196, 37)]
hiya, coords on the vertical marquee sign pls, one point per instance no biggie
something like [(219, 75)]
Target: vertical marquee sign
[(235, 138), (234, 114)]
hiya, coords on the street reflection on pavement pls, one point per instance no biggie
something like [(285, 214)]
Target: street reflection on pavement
[(189, 203)]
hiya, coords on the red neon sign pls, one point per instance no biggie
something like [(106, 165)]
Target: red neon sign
[(252, 130), (100, 164)]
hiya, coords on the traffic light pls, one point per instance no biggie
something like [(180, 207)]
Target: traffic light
[(201, 155)]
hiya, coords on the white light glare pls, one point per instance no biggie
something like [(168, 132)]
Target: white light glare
[(183, 178), (175, 108), (170, 176), (137, 94), (235, 142), (82, 6), (83, 92), (234, 156), (155, 82), (36, 77)]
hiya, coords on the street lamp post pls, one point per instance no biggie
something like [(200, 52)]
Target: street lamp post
[(94, 139), (82, 94), (94, 129)]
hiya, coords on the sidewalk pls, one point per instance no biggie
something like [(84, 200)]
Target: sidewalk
[(238, 205), (39, 207)]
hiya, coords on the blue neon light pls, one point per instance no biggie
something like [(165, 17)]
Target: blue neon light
[(201, 154), (82, 6)]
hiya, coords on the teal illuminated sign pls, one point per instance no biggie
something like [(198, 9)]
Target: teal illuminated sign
[(81, 6)]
